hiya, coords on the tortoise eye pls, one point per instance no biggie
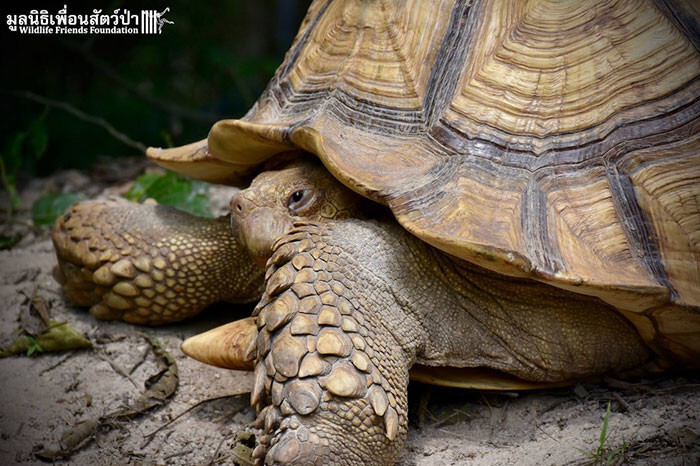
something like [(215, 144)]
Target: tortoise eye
[(300, 201), (297, 196)]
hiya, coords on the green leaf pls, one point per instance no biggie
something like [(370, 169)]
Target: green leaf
[(173, 190), (58, 337), (38, 138), (33, 346), (48, 207), (137, 192), (13, 160), (604, 431), (7, 242), (10, 185)]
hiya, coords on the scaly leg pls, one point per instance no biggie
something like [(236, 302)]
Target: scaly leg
[(350, 306), (150, 264)]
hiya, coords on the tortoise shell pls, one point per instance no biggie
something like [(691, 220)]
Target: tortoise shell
[(558, 140)]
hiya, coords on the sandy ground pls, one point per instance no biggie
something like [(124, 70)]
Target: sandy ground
[(652, 421)]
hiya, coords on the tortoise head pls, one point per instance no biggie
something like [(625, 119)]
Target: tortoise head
[(300, 190)]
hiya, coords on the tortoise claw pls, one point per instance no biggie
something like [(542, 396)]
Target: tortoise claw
[(226, 346)]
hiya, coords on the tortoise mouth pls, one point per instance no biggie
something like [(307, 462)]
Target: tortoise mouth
[(258, 230)]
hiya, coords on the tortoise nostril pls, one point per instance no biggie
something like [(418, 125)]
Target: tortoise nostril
[(237, 204)]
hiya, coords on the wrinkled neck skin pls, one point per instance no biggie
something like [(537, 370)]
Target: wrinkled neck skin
[(447, 312)]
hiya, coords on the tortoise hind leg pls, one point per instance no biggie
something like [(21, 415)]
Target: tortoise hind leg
[(149, 264)]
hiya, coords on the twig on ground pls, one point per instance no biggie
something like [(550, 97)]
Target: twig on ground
[(622, 385), (223, 458), (179, 453), (444, 420), (159, 388), (216, 452), (445, 431), (490, 442), (423, 407), (199, 403), (464, 413), (431, 416), (61, 361), (678, 388), (141, 360), (491, 413), (119, 370), (539, 427), (624, 406)]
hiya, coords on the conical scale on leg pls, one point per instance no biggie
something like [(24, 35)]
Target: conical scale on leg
[(287, 352), (304, 395), (344, 380)]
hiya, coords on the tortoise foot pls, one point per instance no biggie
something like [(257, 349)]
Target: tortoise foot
[(149, 264)]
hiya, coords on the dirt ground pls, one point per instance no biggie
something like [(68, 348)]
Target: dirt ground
[(652, 421)]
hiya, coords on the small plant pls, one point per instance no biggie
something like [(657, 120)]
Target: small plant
[(24, 148), (616, 453), (603, 434), (604, 454), (34, 346)]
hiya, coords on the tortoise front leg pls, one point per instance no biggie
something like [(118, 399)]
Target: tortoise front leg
[(350, 306), (330, 377), (150, 264)]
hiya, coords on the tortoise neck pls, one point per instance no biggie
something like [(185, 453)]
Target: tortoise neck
[(446, 312)]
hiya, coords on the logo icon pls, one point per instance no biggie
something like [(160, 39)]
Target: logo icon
[(152, 21)]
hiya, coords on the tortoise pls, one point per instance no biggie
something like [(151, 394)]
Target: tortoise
[(540, 163)]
